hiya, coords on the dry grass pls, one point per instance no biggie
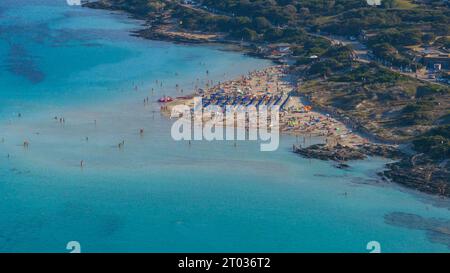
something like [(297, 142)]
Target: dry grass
[(406, 4)]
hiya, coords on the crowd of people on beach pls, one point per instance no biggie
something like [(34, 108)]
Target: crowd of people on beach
[(268, 87), (273, 87)]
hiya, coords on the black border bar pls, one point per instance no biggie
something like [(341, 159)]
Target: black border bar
[(222, 262)]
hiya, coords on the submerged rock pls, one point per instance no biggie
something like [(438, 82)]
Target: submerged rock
[(437, 230), (342, 166)]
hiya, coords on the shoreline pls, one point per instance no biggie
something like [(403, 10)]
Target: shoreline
[(271, 87), (234, 46), (439, 187), (157, 32)]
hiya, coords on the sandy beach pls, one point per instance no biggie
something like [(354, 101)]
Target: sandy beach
[(272, 86)]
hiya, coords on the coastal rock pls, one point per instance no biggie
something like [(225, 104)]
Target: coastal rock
[(342, 153), (336, 153), (421, 173), (342, 166), (387, 151), (417, 171)]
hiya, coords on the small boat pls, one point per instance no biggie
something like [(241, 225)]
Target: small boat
[(165, 99)]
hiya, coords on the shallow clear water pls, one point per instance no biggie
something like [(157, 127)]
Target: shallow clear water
[(158, 195)]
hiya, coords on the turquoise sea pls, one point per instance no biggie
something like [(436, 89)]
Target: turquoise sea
[(156, 194)]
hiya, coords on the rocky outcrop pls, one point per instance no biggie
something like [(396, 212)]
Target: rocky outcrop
[(344, 153), (323, 152), (418, 171), (381, 150), (421, 173)]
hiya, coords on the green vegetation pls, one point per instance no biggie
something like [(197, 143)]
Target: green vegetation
[(369, 74), (430, 90), (435, 143), (393, 106), (417, 113), (141, 8), (442, 42), (332, 60), (369, 96), (389, 28), (389, 31)]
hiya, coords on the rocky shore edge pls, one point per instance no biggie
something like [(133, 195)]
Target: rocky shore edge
[(416, 171), (160, 31), (341, 153)]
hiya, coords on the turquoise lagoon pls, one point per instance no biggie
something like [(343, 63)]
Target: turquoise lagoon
[(158, 195)]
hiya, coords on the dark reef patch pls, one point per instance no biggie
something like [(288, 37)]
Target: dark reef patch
[(19, 62), (437, 230)]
